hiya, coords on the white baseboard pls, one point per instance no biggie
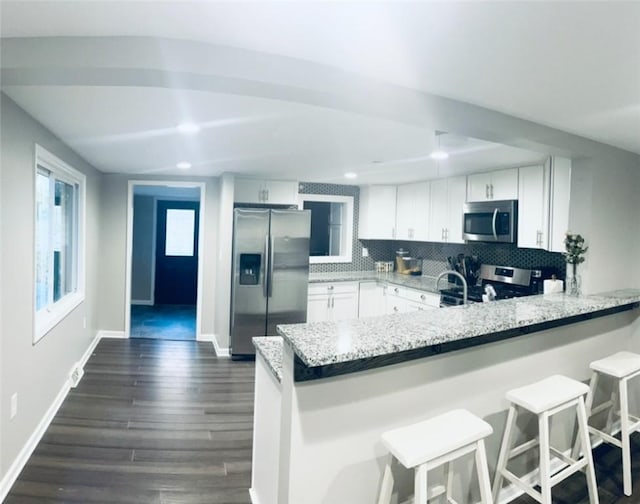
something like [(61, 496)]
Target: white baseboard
[(253, 497), (206, 337), (143, 302), (112, 334), (220, 350)]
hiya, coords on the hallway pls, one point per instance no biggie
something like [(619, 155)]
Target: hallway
[(167, 322), (151, 422)]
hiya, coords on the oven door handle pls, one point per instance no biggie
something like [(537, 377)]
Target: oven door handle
[(493, 224)]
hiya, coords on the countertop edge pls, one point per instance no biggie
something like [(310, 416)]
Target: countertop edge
[(302, 372)]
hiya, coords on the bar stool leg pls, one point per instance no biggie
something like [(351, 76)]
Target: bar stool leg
[(593, 383), (483, 473), (590, 473), (545, 458), (503, 458), (624, 437), (420, 485), (386, 488)]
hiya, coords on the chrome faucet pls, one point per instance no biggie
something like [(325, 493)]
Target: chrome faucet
[(464, 282)]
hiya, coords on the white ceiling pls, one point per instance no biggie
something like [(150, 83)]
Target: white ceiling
[(255, 77)]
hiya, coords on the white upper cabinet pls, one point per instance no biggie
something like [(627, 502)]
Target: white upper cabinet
[(533, 207), (543, 204), (496, 185), (377, 212), (269, 192), (445, 215), (412, 211)]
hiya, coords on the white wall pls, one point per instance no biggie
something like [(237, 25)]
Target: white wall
[(605, 209), (223, 266), (142, 262), (113, 215), (37, 373)]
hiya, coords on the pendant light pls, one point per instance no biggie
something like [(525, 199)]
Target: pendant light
[(439, 154)]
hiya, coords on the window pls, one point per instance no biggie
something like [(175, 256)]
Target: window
[(331, 227), (59, 251), (180, 235)]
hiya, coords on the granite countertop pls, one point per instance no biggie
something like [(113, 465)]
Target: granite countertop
[(331, 348), (270, 347), (424, 283)]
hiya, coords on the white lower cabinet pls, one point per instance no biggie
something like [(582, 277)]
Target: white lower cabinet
[(350, 300), (372, 299), (404, 299), (332, 301)]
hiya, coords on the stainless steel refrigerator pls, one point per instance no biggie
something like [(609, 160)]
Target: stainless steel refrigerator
[(270, 273)]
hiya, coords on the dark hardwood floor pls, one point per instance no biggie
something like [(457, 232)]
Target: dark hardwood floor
[(167, 422), (151, 422)]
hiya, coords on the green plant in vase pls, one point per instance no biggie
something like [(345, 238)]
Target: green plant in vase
[(575, 249)]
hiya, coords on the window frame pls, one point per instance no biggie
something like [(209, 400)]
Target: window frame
[(346, 236), (45, 319)]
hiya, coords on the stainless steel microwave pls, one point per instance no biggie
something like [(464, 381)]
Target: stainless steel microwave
[(490, 221)]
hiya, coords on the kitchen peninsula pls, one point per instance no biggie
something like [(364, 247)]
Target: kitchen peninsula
[(326, 391)]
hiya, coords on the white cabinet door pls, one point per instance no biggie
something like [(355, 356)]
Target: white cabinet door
[(533, 207), (504, 184), (412, 211), (275, 192), (447, 198), (478, 186), (377, 212), (496, 185), (457, 195), (371, 302), (281, 192), (248, 191), (438, 213), (559, 202), (344, 306), (318, 307), (332, 301)]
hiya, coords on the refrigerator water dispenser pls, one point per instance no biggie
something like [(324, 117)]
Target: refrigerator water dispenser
[(250, 269)]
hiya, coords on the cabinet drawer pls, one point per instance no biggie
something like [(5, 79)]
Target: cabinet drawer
[(416, 296), (333, 288)]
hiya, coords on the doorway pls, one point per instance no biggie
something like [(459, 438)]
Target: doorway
[(164, 260)]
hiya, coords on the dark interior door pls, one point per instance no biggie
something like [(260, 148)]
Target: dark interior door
[(177, 252)]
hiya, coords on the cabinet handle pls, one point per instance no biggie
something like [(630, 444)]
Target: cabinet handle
[(330, 287), (491, 191), (486, 191), (329, 302), (332, 301), (395, 308), (423, 297), (446, 234), (393, 232), (266, 194), (396, 290)]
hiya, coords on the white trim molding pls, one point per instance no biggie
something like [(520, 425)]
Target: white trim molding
[(112, 334), (220, 350), (253, 497), (21, 460)]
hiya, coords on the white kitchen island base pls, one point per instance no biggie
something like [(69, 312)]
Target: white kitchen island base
[(325, 439)]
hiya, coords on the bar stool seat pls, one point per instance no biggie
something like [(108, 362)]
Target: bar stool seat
[(433, 442), (622, 366), (544, 399)]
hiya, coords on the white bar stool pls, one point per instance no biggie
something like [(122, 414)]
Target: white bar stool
[(546, 398), (622, 366), (425, 445)]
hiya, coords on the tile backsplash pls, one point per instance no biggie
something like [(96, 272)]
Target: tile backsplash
[(434, 255)]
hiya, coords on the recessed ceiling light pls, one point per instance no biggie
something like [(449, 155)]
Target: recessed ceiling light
[(350, 175), (439, 155), (188, 128), (183, 165)]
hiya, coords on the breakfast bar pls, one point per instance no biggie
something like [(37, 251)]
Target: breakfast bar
[(326, 391)]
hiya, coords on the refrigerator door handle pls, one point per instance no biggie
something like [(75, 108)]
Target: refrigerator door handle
[(270, 267), (265, 280)]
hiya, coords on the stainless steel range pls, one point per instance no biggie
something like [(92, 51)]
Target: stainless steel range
[(498, 282)]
